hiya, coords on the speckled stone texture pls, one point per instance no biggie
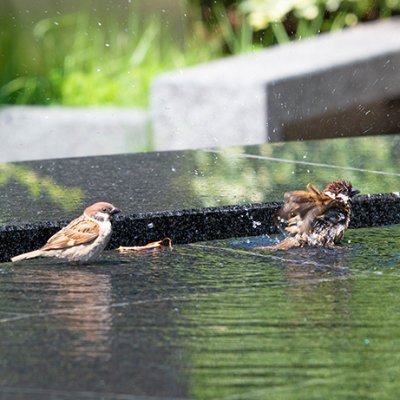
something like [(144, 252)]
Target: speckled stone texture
[(376, 210), (193, 196), (196, 225)]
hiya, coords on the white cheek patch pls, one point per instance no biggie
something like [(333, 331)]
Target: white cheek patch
[(330, 194), (343, 197), (102, 216)]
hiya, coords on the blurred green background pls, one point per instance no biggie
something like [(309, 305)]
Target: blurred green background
[(103, 52)]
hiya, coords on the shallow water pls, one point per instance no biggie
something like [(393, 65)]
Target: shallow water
[(213, 320)]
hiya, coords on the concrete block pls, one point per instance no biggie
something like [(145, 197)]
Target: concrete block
[(33, 133), (337, 84)]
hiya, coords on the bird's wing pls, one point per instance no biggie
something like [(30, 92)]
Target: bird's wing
[(299, 202), (334, 213), (301, 208), (79, 231)]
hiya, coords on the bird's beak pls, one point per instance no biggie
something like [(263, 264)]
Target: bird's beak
[(354, 192), (114, 211)]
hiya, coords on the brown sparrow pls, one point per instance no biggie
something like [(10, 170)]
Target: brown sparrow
[(82, 240), (315, 218)]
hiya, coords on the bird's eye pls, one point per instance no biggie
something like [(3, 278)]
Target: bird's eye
[(104, 210)]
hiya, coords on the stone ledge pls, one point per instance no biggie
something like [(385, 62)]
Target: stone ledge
[(186, 226), (45, 132), (194, 195), (339, 84)]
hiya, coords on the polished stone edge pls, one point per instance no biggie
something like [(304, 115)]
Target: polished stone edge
[(185, 226)]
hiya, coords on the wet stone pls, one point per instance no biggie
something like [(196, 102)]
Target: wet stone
[(194, 195)]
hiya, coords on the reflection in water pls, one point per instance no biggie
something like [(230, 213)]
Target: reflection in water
[(300, 327), (78, 303), (104, 328), (216, 320), (85, 312), (234, 178), (271, 334), (66, 198)]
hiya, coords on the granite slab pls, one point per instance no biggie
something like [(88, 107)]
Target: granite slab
[(194, 195)]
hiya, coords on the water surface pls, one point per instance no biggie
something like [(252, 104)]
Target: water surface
[(214, 320)]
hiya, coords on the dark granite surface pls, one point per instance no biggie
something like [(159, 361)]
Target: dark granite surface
[(193, 195)]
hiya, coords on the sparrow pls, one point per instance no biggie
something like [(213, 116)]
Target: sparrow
[(315, 218), (82, 240)]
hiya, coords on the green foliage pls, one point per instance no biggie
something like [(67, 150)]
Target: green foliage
[(304, 18), (74, 59), (78, 62), (237, 37)]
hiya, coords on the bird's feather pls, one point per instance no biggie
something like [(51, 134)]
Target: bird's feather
[(314, 217), (79, 231), (27, 256), (301, 208)]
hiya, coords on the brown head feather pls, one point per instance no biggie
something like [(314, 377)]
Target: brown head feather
[(101, 206), (339, 186)]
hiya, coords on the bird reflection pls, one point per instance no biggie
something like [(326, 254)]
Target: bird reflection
[(81, 301), (319, 277)]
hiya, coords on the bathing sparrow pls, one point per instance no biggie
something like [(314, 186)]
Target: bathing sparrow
[(315, 218)]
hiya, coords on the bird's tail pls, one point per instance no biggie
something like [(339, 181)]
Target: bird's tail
[(27, 256)]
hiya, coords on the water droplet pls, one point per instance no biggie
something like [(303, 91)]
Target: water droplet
[(150, 225)]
